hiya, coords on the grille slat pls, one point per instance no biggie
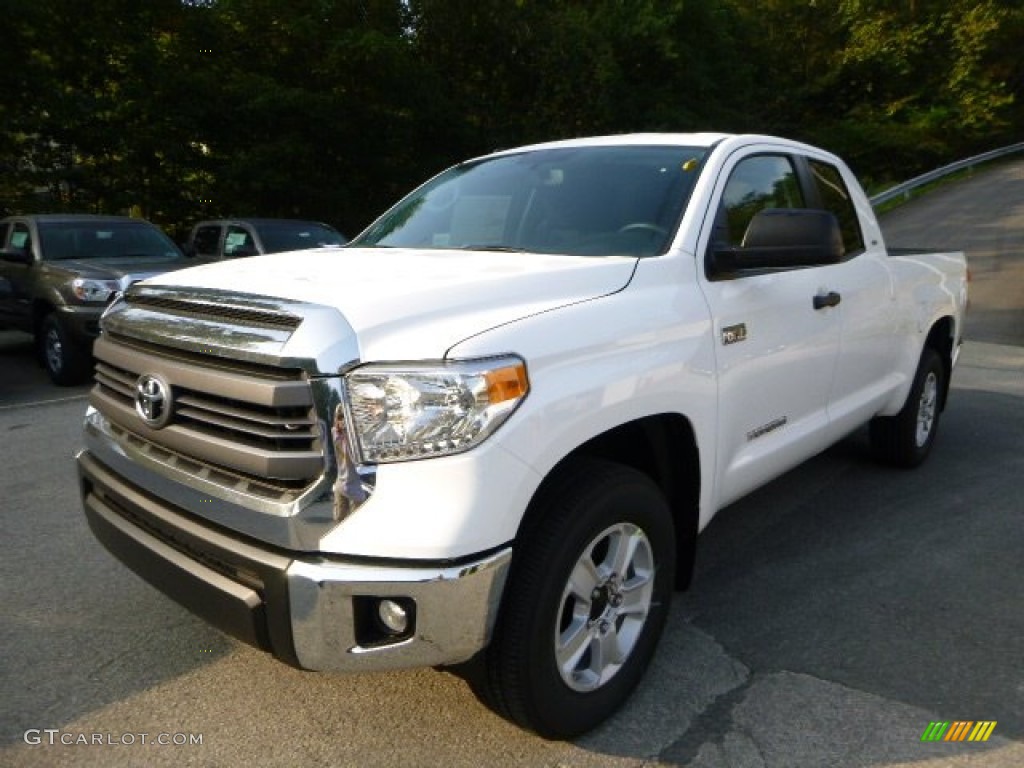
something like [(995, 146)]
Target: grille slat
[(115, 379), (204, 418), (208, 362), (297, 419)]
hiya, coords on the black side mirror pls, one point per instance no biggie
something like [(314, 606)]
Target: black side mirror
[(782, 238), (17, 255)]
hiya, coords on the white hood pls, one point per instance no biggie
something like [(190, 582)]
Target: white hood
[(408, 304)]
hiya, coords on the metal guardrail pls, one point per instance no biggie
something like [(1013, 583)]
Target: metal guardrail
[(904, 189)]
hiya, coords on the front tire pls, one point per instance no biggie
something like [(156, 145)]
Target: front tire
[(586, 600), (65, 362), (906, 439)]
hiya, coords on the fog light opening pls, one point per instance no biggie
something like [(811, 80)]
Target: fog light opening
[(379, 620), (393, 616)]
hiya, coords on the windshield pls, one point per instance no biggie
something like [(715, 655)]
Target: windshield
[(104, 240), (584, 201), (294, 236)]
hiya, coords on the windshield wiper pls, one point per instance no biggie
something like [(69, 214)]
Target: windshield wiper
[(496, 248)]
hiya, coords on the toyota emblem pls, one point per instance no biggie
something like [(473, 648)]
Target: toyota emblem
[(153, 400)]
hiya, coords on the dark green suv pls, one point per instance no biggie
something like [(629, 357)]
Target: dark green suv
[(59, 272)]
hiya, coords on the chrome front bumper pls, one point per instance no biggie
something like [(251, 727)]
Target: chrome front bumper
[(455, 610), (314, 611)]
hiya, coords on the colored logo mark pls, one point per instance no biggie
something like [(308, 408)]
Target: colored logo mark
[(959, 730)]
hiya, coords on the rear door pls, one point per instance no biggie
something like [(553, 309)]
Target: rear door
[(866, 369), (776, 353)]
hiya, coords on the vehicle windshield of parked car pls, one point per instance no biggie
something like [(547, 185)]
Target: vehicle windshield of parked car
[(295, 236), (105, 240), (583, 201)]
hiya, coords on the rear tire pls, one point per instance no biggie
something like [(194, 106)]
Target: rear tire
[(65, 361), (906, 439), (586, 600)]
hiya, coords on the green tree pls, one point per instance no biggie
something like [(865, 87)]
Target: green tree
[(896, 87), (330, 109), (530, 71), (312, 108)]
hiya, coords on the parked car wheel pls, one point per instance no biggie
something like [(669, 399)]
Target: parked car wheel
[(65, 361), (586, 601), (906, 439)]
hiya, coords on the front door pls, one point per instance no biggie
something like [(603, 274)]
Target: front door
[(15, 301), (776, 352)]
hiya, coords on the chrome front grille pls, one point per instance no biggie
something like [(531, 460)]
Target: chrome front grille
[(251, 421)]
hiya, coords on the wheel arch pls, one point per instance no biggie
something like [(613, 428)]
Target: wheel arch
[(941, 339), (40, 309), (663, 447)]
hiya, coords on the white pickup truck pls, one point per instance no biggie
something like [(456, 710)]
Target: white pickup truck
[(492, 427)]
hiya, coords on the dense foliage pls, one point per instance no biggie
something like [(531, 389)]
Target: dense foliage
[(329, 109)]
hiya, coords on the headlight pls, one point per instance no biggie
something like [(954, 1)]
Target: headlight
[(411, 412), (94, 290)]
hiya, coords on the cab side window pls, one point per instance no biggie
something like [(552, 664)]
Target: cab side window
[(21, 240), (835, 197), (756, 183), (206, 240), (238, 242)]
